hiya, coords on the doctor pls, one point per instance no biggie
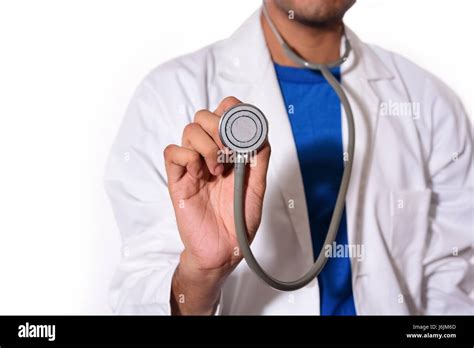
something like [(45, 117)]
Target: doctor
[(404, 242)]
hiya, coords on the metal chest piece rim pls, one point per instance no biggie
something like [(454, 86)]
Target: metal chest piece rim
[(243, 128)]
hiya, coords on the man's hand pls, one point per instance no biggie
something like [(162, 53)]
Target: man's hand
[(201, 190)]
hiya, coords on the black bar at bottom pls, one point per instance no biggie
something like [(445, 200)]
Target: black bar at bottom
[(291, 330)]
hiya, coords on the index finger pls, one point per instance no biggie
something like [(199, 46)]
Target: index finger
[(226, 104)]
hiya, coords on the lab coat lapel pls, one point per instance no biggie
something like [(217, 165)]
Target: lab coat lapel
[(360, 77), (359, 73)]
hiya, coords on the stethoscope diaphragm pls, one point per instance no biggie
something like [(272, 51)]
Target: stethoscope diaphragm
[(243, 128)]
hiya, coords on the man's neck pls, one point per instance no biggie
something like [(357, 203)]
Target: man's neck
[(314, 44)]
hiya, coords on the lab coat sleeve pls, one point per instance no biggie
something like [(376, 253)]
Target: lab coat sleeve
[(448, 268), (135, 181)]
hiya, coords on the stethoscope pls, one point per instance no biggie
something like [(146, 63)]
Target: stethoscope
[(244, 129)]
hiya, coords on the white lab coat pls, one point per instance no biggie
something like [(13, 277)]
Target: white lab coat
[(409, 205)]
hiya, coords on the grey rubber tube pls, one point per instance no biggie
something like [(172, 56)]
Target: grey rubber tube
[(239, 183), (239, 217), (295, 57)]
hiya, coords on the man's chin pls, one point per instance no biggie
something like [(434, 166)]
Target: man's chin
[(316, 13)]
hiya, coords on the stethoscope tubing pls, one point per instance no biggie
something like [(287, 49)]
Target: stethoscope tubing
[(240, 172)]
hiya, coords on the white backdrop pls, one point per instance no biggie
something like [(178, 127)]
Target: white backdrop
[(67, 71)]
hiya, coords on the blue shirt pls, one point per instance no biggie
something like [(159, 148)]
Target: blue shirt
[(314, 112)]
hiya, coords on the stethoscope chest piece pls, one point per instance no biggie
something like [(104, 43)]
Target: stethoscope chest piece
[(243, 128)]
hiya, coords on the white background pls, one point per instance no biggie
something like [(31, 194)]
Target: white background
[(67, 71)]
